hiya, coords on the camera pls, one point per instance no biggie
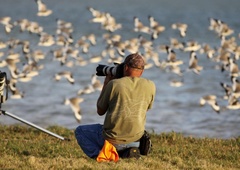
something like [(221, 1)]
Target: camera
[(116, 70), (3, 84)]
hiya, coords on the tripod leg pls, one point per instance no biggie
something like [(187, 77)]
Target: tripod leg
[(33, 125)]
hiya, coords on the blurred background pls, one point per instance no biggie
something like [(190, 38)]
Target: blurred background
[(175, 108)]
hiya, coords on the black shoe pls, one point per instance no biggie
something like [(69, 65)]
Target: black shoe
[(134, 153), (129, 153), (145, 144)]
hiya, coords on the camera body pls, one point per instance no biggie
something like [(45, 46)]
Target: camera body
[(3, 84), (117, 70)]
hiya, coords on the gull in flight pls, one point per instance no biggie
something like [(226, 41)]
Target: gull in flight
[(193, 63), (74, 104), (42, 9), (211, 100), (66, 74)]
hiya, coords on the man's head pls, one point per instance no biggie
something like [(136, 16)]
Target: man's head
[(135, 61), (134, 65)]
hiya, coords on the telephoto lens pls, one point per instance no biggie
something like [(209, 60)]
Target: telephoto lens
[(116, 70), (103, 70)]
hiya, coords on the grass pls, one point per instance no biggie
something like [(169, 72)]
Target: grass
[(28, 148)]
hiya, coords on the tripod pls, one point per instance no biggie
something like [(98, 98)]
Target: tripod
[(4, 83), (32, 125)]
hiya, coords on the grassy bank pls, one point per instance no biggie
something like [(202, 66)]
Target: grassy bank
[(27, 148)]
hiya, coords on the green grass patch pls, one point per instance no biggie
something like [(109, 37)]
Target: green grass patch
[(28, 148)]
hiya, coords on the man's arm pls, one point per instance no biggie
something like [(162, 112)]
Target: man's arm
[(102, 111)]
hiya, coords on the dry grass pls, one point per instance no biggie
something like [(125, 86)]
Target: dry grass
[(27, 148)]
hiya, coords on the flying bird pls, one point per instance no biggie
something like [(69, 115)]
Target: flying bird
[(235, 86), (233, 103), (66, 74), (156, 28), (74, 104), (16, 93), (233, 68), (211, 100), (176, 83), (42, 9), (171, 54), (6, 22), (140, 27), (193, 63), (227, 89), (96, 83), (181, 27)]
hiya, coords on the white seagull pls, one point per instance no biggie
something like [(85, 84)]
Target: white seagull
[(193, 63), (74, 104), (42, 9), (66, 74), (211, 100)]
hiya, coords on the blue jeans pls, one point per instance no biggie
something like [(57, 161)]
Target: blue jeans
[(90, 139)]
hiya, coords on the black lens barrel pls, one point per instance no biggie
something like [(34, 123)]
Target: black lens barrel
[(99, 70), (103, 70)]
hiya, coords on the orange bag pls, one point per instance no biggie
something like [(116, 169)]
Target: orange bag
[(108, 153)]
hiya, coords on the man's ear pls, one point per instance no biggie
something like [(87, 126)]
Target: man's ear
[(125, 68)]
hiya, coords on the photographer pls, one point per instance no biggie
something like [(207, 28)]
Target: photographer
[(125, 101)]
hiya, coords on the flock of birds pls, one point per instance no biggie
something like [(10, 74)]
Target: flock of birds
[(23, 62)]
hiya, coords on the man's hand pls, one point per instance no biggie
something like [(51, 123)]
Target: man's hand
[(108, 78)]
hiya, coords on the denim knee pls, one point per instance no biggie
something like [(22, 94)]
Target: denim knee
[(77, 130)]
